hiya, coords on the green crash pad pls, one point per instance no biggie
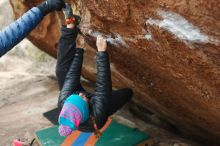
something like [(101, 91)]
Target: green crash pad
[(120, 135), (116, 134), (49, 137)]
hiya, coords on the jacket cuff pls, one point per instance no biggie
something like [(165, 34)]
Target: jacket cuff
[(102, 53), (79, 50), (43, 8)]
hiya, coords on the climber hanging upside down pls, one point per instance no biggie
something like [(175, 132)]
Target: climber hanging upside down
[(82, 110), (18, 30)]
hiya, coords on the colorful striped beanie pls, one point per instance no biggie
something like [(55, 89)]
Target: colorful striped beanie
[(74, 112)]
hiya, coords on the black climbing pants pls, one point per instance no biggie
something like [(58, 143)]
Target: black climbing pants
[(65, 55)]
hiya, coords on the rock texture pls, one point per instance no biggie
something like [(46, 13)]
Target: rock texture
[(167, 51)]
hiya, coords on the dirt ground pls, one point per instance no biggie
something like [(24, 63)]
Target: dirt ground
[(28, 88)]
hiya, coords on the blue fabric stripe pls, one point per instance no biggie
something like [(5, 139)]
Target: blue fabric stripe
[(82, 139)]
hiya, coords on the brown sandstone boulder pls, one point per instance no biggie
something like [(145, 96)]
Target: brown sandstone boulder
[(167, 51)]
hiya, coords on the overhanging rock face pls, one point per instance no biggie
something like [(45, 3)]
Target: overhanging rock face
[(168, 52)]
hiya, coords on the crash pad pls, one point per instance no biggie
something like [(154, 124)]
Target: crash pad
[(120, 135), (114, 133), (49, 137), (53, 115)]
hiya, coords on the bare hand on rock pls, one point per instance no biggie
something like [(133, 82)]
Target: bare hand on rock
[(101, 43)]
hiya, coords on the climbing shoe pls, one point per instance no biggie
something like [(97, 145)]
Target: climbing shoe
[(69, 16)]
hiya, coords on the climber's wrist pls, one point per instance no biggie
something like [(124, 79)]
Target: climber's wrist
[(51, 5)]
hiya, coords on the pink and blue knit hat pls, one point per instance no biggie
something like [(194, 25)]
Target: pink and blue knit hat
[(74, 112)]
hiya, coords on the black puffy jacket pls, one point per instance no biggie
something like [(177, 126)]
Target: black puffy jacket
[(98, 102)]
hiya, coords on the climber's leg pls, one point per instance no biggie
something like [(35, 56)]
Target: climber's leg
[(119, 98), (67, 45)]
